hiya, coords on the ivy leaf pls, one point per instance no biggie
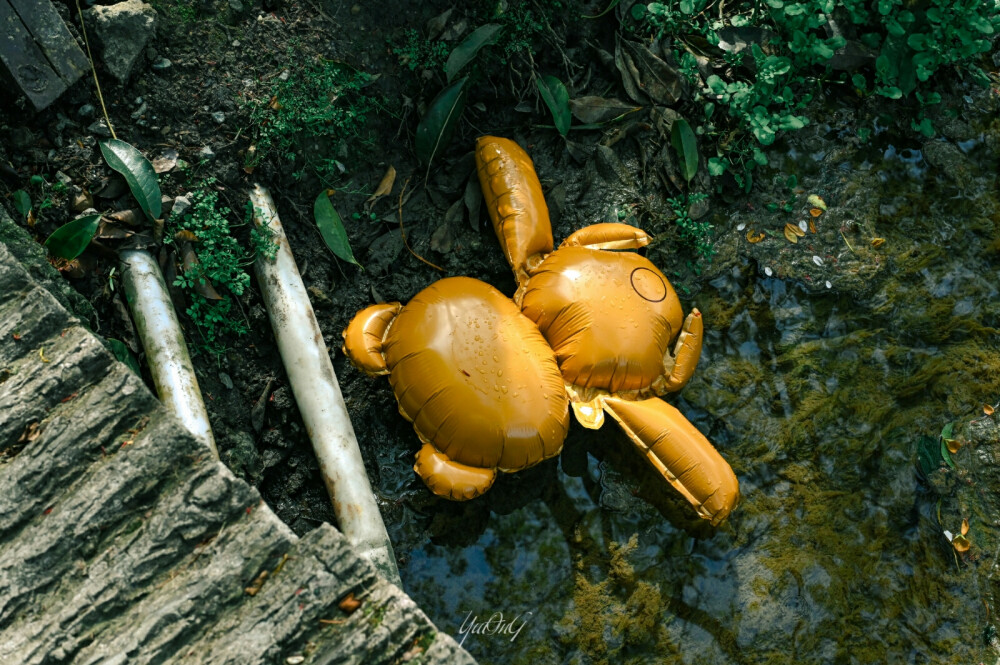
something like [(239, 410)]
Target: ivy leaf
[(331, 227), (716, 166), (138, 173), (684, 142), (556, 98), (437, 127), (465, 52), (70, 239)]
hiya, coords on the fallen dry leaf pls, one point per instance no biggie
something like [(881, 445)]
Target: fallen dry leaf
[(816, 202), (384, 185), (815, 212), (754, 238), (812, 226), (31, 433), (961, 543), (349, 604), (953, 445), (793, 232), (965, 526), (256, 584), (878, 242), (987, 409)]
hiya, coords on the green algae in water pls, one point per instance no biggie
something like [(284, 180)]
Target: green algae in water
[(836, 554)]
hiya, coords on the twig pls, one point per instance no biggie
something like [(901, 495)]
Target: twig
[(848, 243), (93, 71), (402, 232)]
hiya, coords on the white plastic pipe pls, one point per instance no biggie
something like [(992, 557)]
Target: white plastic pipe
[(318, 395), (160, 334)]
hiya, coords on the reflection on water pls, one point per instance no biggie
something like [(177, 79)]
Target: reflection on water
[(835, 555)]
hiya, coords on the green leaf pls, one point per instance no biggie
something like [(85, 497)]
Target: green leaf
[(859, 81), (686, 145), (437, 127), (716, 166), (556, 98), (465, 52), (945, 455), (687, 7), (331, 227), (123, 354), (611, 5), (22, 202), (892, 92), (138, 173), (69, 240), (928, 454)]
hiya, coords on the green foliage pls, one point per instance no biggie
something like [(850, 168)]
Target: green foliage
[(421, 53), (220, 265), (310, 117), (695, 235), (70, 239), (909, 42), (524, 23)]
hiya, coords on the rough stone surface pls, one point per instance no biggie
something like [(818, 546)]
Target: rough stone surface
[(968, 491), (123, 541), (122, 31)]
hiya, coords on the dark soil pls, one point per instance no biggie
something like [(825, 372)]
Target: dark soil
[(226, 61)]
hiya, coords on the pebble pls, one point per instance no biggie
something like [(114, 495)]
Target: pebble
[(219, 117), (63, 178), (828, 284), (161, 64), (817, 260), (206, 154), (138, 113), (767, 271), (100, 128), (87, 111), (181, 206), (284, 75), (226, 380)]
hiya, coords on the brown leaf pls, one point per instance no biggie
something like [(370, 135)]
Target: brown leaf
[(384, 185), (108, 231), (133, 217), (30, 433), (953, 445), (815, 212), (349, 604), (256, 584), (965, 526), (877, 242), (202, 286), (812, 227), (961, 543), (166, 161), (185, 236), (754, 238), (987, 409), (793, 233), (663, 83), (274, 103), (593, 110)]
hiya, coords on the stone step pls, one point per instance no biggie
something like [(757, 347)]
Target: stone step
[(122, 540)]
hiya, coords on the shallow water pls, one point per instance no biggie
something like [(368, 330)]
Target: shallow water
[(835, 554)]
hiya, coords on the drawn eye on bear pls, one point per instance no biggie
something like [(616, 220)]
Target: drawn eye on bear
[(648, 285)]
